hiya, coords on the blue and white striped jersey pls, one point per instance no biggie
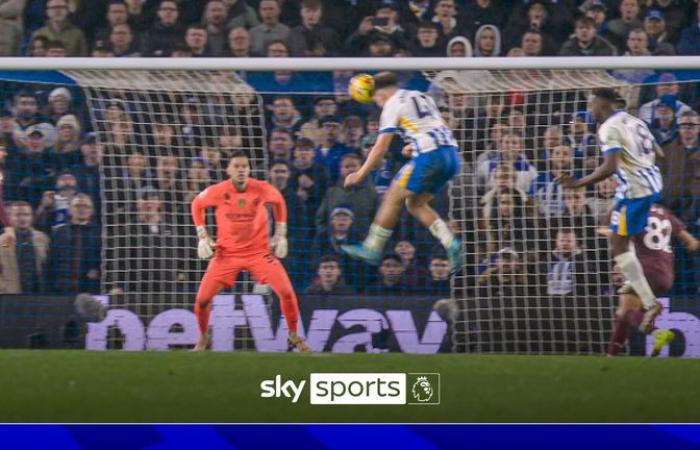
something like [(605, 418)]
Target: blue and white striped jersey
[(416, 117), (637, 175)]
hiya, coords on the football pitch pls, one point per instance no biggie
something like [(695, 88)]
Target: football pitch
[(82, 386)]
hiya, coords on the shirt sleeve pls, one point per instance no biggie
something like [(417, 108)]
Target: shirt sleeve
[(610, 140), (205, 199), (389, 120), (279, 206)]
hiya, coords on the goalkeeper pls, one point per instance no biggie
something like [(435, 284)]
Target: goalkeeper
[(242, 232)]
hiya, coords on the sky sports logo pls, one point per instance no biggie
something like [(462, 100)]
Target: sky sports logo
[(358, 388)]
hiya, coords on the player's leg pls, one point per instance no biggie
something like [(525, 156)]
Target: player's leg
[(267, 269), (628, 312), (419, 207), (384, 221), (629, 219), (213, 281)]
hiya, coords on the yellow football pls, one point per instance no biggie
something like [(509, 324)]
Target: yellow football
[(361, 88)]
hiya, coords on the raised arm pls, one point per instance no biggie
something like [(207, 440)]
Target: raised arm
[(601, 172), (373, 159)]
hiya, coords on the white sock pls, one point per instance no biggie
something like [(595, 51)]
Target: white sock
[(441, 231), (376, 239), (633, 271)]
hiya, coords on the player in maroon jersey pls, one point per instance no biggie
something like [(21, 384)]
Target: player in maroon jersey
[(653, 249)]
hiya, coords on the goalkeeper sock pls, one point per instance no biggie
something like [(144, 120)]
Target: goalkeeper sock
[(442, 232), (203, 310), (633, 271), (376, 239)]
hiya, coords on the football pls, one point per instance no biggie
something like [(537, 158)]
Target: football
[(361, 88)]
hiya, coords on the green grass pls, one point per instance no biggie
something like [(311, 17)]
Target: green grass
[(81, 386)]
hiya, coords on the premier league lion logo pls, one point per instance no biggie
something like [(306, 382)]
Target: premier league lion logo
[(422, 390)]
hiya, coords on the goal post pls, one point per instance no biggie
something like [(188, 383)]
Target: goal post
[(538, 277)]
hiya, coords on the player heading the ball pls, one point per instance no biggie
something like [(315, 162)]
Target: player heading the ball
[(416, 118), (242, 244), (629, 152)]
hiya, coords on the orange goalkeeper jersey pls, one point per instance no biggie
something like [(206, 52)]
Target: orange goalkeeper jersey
[(241, 217)]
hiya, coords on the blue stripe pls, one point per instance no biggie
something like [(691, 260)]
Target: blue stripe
[(612, 150), (388, 130)]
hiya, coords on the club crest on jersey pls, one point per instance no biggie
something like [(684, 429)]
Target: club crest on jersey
[(241, 203)]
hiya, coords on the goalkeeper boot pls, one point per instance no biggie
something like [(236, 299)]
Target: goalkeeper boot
[(649, 316), (661, 339), (202, 343), (359, 252), (294, 341), (455, 256)]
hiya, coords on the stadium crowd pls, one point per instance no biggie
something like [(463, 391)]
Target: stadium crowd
[(75, 193)]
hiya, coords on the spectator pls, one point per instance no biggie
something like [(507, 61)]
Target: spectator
[(211, 155), (28, 170), (340, 231), (582, 141), (323, 106), (664, 125), (568, 273), (580, 216), (361, 199), (439, 271), (586, 42), (4, 219), (428, 42), (26, 110), (170, 189), (597, 11), (60, 100), (240, 14), (666, 84), (637, 45), (215, 22), (414, 273), (74, 257), (56, 49), (121, 40), (196, 40), (198, 179), (279, 176), (487, 41), (628, 20), (504, 278), (484, 12), (506, 221), (655, 26), (312, 38), (309, 178), (117, 14), (332, 150), (59, 28), (381, 31), (7, 129), (603, 201), (88, 173), (459, 47), (285, 115), (37, 47), (11, 26), (510, 153), (351, 132), (330, 279), (54, 209), (545, 190), (537, 18), (281, 144), (689, 42), (270, 29), (551, 137), (239, 43), (532, 44), (23, 253), (447, 18), (675, 15), (162, 37), (390, 277), (65, 154), (681, 165), (152, 266)]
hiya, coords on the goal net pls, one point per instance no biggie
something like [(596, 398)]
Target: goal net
[(538, 277)]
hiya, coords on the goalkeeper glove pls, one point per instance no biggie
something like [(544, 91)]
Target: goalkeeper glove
[(205, 247), (279, 241)]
